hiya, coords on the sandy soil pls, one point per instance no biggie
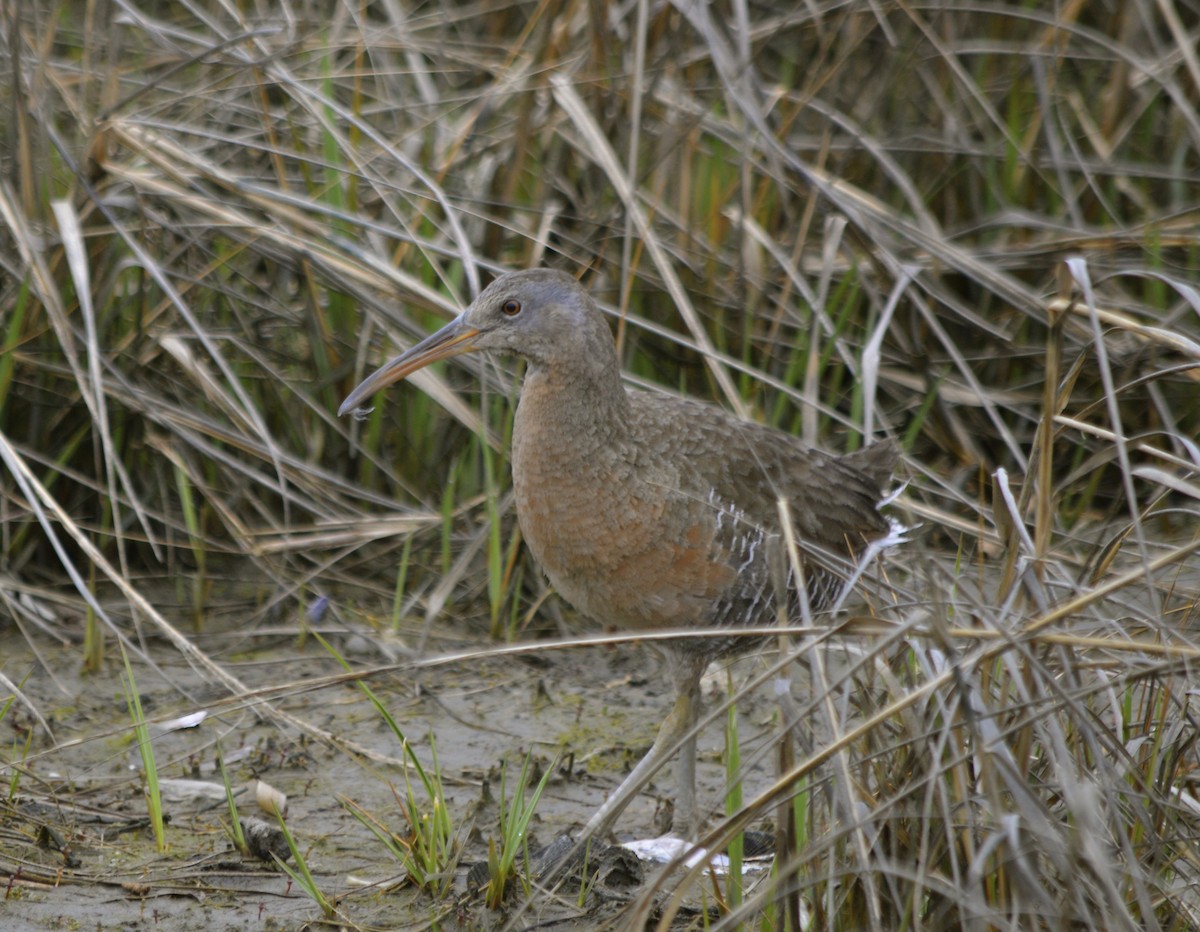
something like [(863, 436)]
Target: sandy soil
[(76, 852)]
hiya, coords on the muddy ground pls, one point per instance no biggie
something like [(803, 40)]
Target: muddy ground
[(76, 851)]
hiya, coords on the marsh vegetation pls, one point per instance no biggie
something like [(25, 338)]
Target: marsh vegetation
[(974, 229)]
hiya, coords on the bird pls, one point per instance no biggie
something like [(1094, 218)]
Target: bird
[(650, 512)]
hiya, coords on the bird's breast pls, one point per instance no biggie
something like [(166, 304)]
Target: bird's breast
[(616, 537)]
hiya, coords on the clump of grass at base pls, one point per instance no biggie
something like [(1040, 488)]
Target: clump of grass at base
[(234, 828), (146, 751), (429, 849), (515, 813), (300, 874), (15, 778)]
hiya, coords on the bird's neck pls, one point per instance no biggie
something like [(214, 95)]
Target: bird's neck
[(570, 469), (582, 406)]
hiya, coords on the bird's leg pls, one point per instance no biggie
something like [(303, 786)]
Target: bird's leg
[(687, 706), (678, 723)]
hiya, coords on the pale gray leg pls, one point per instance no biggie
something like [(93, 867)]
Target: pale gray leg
[(678, 723), (684, 822)]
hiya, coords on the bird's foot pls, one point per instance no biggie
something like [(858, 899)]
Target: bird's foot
[(610, 870)]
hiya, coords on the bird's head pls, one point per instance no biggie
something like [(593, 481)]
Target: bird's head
[(540, 314)]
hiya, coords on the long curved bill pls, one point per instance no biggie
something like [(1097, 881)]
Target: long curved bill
[(454, 339)]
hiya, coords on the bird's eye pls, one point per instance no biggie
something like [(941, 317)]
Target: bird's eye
[(511, 308)]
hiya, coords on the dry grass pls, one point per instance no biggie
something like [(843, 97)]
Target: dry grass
[(974, 229)]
